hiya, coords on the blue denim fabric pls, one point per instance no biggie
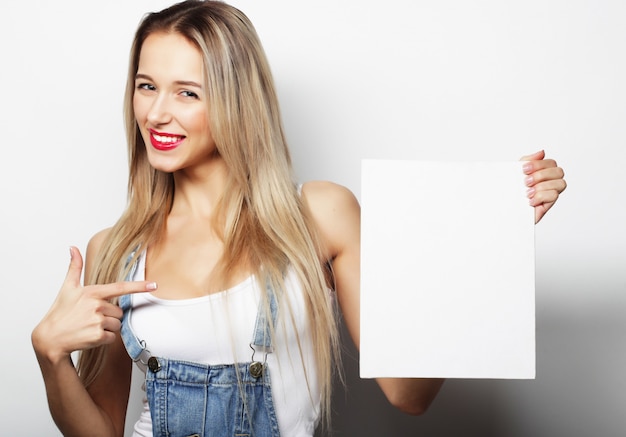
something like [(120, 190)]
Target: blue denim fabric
[(191, 399)]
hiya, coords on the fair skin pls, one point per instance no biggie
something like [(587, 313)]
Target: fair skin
[(170, 108), (170, 101)]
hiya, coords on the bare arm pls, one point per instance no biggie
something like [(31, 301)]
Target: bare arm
[(82, 318), (337, 214)]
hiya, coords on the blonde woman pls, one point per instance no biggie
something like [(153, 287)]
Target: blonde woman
[(217, 279)]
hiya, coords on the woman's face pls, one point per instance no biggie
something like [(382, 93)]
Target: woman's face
[(170, 103)]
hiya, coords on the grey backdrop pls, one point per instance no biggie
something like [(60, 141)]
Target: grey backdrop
[(452, 79)]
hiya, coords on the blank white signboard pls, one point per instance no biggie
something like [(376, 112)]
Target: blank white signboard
[(447, 270)]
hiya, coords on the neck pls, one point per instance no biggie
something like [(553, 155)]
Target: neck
[(197, 190)]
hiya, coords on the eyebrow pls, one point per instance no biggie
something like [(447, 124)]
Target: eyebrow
[(177, 82)]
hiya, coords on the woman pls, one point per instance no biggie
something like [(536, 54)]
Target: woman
[(239, 336)]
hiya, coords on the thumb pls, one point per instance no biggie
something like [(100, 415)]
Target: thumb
[(75, 269), (534, 156)]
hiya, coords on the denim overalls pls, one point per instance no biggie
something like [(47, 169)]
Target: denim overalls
[(196, 400)]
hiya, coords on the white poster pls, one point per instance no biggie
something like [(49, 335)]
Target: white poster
[(447, 270)]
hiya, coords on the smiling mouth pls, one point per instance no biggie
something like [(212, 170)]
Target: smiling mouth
[(162, 141)]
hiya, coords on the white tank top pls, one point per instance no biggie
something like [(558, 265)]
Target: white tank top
[(218, 329)]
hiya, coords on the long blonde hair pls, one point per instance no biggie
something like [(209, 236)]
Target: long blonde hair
[(261, 218)]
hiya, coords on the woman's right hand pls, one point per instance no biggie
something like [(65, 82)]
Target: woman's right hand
[(81, 317)]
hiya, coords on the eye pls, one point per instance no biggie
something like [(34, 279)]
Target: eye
[(189, 94), (146, 86)]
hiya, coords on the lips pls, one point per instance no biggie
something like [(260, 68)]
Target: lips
[(164, 141)]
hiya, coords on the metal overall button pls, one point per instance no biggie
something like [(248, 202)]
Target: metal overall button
[(154, 365), (256, 369)]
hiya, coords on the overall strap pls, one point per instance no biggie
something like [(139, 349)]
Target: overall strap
[(262, 339), (136, 349)]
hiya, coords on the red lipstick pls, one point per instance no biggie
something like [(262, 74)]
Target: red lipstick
[(164, 141)]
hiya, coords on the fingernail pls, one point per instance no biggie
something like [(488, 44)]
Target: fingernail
[(529, 180), (151, 286), (527, 167), (530, 192), (71, 253)]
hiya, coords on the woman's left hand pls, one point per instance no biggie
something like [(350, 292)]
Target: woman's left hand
[(544, 180)]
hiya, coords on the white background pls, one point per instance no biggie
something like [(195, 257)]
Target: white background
[(451, 79)]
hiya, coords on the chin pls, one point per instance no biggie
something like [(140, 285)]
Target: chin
[(164, 167)]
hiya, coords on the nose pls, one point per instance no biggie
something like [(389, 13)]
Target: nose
[(160, 111)]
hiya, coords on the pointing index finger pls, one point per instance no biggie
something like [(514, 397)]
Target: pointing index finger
[(117, 289)]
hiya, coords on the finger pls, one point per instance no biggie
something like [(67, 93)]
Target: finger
[(557, 185), (116, 289), (544, 196), (539, 155), (530, 167), (541, 210), (101, 329), (546, 174), (102, 337), (111, 310), (111, 324), (75, 269)]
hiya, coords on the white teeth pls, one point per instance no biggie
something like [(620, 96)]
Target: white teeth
[(166, 139)]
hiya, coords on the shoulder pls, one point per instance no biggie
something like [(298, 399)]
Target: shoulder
[(329, 201), (96, 242), (335, 212), (314, 189)]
